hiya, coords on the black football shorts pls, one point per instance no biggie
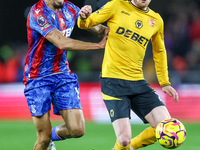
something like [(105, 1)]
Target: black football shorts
[(122, 96)]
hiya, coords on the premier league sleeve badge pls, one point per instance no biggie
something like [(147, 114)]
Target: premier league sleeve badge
[(41, 20)]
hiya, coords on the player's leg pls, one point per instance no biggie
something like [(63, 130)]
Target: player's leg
[(122, 130), (39, 102), (118, 105), (74, 126), (67, 104), (119, 111), (147, 137), (43, 128), (157, 113)]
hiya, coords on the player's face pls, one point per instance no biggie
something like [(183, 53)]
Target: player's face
[(58, 4), (142, 4)]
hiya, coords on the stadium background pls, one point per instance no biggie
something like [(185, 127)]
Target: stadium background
[(182, 39)]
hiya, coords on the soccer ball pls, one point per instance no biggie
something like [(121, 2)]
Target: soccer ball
[(170, 133)]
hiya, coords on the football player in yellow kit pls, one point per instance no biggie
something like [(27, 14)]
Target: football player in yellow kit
[(132, 25)]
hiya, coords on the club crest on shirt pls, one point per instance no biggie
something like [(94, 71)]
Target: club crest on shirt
[(62, 22), (139, 24), (152, 22), (41, 20)]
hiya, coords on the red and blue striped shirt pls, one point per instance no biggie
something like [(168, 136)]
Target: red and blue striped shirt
[(43, 57)]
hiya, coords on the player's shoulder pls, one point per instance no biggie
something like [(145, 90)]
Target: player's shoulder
[(39, 5), (68, 3), (155, 14), (38, 8)]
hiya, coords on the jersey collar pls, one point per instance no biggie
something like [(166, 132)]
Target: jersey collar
[(141, 10)]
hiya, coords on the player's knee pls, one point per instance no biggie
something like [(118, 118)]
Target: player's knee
[(44, 141), (43, 138), (124, 140), (78, 131)]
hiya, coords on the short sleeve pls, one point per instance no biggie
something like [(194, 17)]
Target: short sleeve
[(41, 22)]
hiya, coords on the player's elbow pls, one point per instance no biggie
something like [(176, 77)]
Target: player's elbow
[(67, 44), (61, 46)]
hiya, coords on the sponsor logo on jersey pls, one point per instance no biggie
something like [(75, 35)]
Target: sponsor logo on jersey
[(45, 26), (37, 11), (138, 24), (67, 32), (54, 17), (132, 35), (41, 20)]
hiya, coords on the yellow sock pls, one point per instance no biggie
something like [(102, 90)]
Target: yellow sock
[(119, 147), (147, 137)]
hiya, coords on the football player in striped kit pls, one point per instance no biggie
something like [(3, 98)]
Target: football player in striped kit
[(47, 77)]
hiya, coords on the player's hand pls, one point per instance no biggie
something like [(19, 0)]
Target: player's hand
[(104, 40), (85, 12), (171, 92)]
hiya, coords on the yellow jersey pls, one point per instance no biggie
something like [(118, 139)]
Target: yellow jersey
[(131, 29)]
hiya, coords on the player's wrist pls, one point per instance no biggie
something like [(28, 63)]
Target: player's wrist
[(166, 84)]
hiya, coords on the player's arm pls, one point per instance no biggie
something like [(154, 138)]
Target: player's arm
[(65, 43), (160, 59), (98, 30), (87, 19), (160, 56)]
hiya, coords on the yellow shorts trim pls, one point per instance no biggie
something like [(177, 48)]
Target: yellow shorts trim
[(107, 97)]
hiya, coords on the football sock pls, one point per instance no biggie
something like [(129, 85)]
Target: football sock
[(55, 136), (147, 137), (120, 147)]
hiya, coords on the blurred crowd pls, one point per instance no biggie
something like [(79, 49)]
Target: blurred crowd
[(182, 39)]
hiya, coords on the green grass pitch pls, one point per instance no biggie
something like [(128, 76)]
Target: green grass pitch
[(22, 136)]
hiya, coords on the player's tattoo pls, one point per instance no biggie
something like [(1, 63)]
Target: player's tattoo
[(98, 30)]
